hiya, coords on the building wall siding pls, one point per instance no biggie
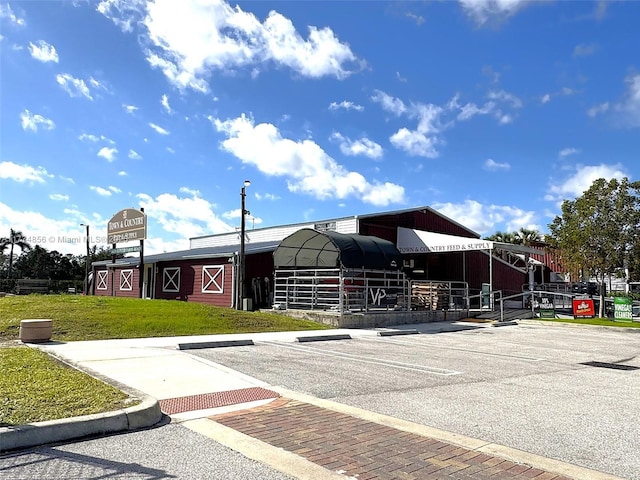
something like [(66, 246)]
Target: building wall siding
[(114, 282), (191, 282)]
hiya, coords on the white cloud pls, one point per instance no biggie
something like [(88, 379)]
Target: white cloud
[(133, 155), (491, 165), (6, 12), (233, 214), (104, 192), (67, 179), (129, 108), (389, 104), (415, 143), (122, 173), (31, 122), (505, 97), (363, 146), (486, 219), (124, 13), (95, 138), (63, 235), (98, 84), (75, 87), (598, 109), (23, 173), (470, 110), (165, 104), (546, 98), (580, 181), (114, 189), (191, 39), (190, 191), (565, 152), (584, 50), (109, 154), (43, 51), (628, 109), (159, 129), (426, 138), (491, 11), (188, 217), (58, 197), (309, 169), (266, 196), (346, 105)]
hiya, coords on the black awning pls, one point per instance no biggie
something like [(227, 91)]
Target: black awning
[(309, 248)]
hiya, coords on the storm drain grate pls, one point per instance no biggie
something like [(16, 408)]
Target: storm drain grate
[(613, 366), (191, 403)]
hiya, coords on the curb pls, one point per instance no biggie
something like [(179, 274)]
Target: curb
[(394, 333), (320, 338), (215, 344), (144, 415)]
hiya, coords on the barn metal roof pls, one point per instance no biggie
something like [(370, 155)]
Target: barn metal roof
[(190, 254), (308, 248)]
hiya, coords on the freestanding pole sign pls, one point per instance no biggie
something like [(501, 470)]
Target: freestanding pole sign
[(623, 309), (125, 226)]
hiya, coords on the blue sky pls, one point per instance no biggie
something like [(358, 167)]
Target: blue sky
[(490, 111)]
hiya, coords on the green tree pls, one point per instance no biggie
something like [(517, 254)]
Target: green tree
[(15, 239), (527, 237), (38, 262), (504, 237), (597, 231)]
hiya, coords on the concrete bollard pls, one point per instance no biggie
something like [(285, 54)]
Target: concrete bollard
[(36, 330)]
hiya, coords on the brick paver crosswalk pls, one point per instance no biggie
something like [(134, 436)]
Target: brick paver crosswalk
[(366, 450)]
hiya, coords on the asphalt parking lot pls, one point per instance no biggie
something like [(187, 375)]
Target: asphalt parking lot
[(524, 386)]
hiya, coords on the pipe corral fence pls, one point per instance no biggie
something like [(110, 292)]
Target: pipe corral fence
[(361, 290)]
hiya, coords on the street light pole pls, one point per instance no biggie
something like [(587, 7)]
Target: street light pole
[(86, 263), (241, 262)]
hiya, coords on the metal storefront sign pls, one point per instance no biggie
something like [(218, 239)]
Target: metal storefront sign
[(136, 248), (623, 309), (127, 225), (583, 308)]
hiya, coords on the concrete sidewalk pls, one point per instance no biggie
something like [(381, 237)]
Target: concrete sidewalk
[(299, 435)]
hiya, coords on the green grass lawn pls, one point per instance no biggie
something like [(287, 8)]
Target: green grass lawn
[(78, 317), (34, 388)]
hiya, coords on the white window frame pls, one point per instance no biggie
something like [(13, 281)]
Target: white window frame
[(126, 280), (213, 276), (171, 279), (102, 279)]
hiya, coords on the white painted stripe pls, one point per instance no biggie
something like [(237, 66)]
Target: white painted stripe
[(466, 350), (363, 359)]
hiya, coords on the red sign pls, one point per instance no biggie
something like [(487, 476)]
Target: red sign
[(583, 308)]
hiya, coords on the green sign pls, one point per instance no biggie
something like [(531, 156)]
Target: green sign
[(623, 309), (547, 312), (115, 251)]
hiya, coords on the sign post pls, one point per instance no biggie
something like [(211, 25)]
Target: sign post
[(125, 226)]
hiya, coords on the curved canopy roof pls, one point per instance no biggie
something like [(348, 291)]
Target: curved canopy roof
[(308, 248)]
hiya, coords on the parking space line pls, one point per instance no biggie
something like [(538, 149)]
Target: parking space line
[(364, 359), (444, 347)]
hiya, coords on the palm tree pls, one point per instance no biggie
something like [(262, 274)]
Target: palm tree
[(527, 237), (15, 239), (503, 237)]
